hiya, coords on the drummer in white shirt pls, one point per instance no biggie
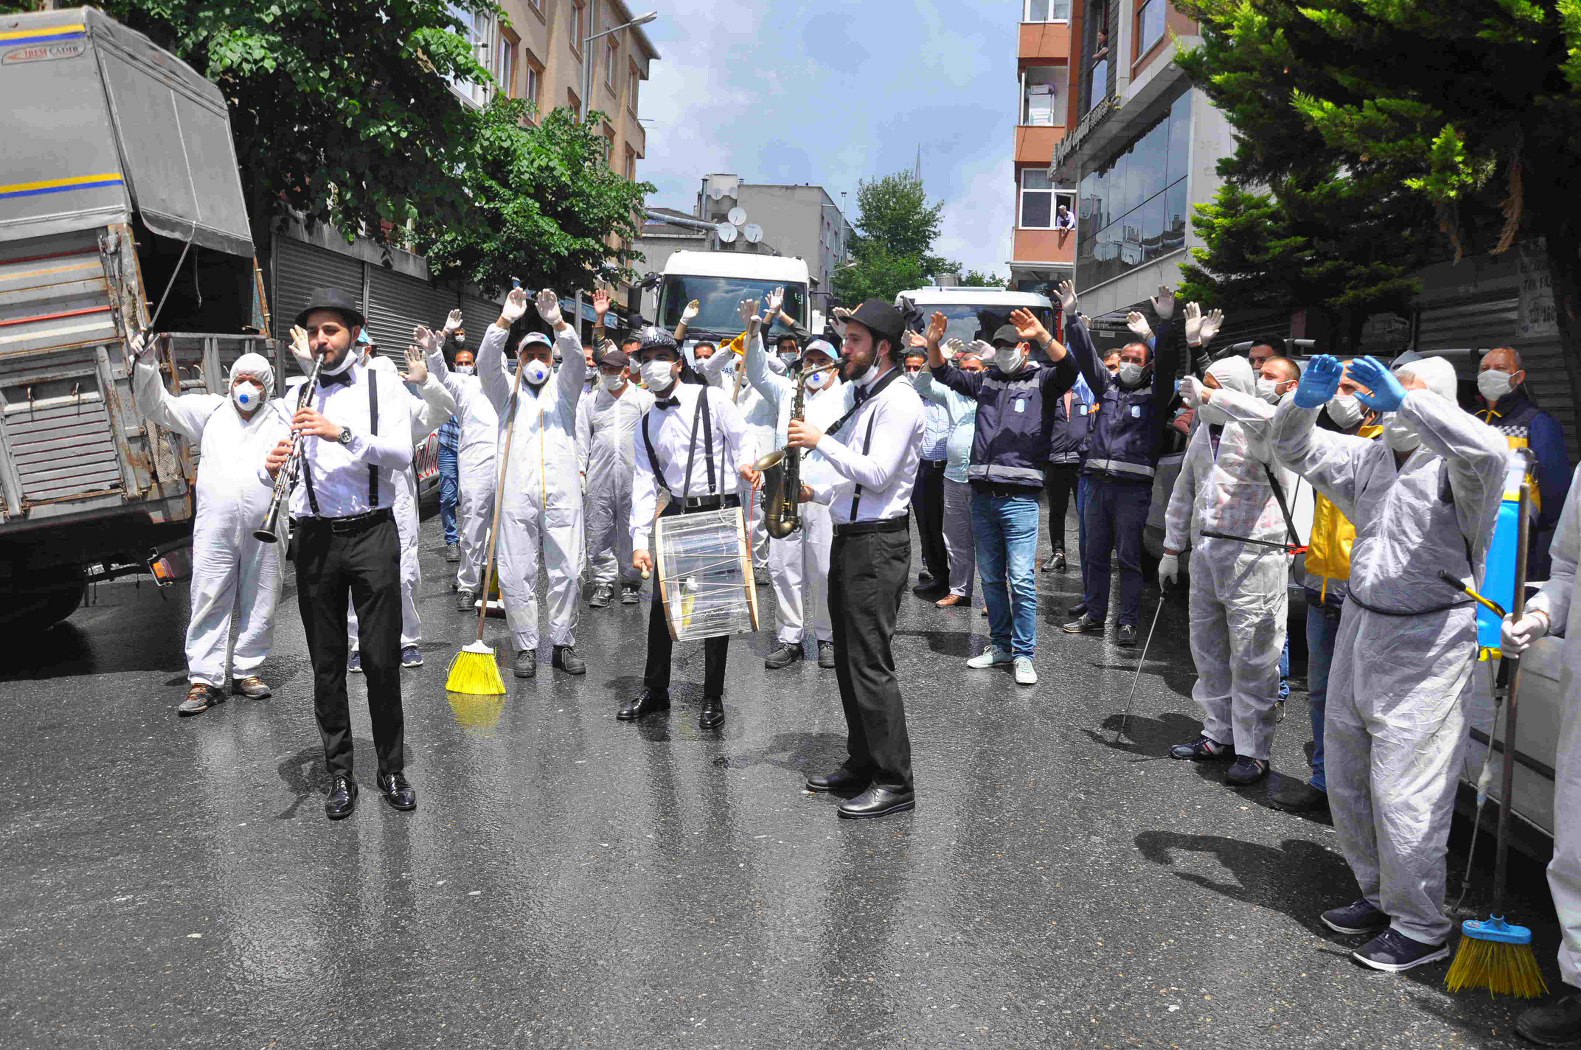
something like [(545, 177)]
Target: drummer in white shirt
[(693, 444)]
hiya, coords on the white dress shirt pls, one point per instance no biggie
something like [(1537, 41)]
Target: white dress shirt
[(670, 428), (340, 472), (885, 468)]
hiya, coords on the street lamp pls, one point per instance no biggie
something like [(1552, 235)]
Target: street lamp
[(587, 57)]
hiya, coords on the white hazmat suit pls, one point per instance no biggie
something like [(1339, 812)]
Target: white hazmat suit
[(231, 571), (1239, 598), (1407, 647), (606, 429), (725, 372), (475, 469), (542, 491)]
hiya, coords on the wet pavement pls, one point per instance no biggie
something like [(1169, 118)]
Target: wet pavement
[(570, 880)]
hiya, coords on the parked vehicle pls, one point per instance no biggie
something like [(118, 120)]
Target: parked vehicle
[(719, 281)]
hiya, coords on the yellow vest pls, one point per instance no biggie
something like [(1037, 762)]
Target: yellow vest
[(1328, 554)]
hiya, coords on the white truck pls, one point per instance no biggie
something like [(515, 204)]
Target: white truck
[(719, 281), (975, 313), (119, 192)]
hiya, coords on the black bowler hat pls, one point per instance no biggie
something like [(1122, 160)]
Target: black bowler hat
[(1008, 335), (880, 318), (333, 299)]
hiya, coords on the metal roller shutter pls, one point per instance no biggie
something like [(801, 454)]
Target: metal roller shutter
[(1475, 324), (299, 269), (397, 303)]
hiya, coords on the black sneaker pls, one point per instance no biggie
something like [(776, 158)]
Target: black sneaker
[(526, 664), (1084, 625), (602, 593), (565, 659), (1245, 772), (1393, 952), (1355, 919), (1553, 1024), (630, 595), (1202, 749), (826, 655), (1125, 635), (1295, 796), (783, 656), (465, 599), (411, 656), (452, 553)]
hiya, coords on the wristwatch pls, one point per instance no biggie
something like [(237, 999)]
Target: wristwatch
[(345, 436)]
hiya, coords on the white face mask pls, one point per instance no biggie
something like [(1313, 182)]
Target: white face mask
[(1130, 373), (1010, 360), (535, 372), (789, 358), (1494, 384), (819, 380), (1399, 435), (614, 382), (464, 370), (866, 378), (658, 375), (247, 396), (1345, 410), (1268, 390)]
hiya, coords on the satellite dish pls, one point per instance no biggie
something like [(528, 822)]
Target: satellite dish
[(726, 231), (737, 215), (753, 233), (715, 190)]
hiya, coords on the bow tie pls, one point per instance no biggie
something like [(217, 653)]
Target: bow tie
[(340, 379), (863, 393), (666, 402)]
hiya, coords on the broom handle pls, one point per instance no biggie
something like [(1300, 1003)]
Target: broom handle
[(499, 490), (1513, 664)]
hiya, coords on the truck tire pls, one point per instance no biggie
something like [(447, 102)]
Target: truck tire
[(40, 604)]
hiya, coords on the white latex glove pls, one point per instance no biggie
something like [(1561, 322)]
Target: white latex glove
[(1164, 303), (514, 306), (548, 305), (416, 366), (689, 314), (983, 349), (1169, 569), (771, 305), (1193, 324), (1139, 326), (951, 348), (1516, 636), (1210, 325), (452, 323), (748, 311), (839, 320), (299, 348), (426, 338), (139, 343), (1067, 296), (1192, 391)]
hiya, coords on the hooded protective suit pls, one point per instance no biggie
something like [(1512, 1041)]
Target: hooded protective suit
[(799, 563), (542, 492), (1239, 600), (431, 404), (1395, 722), (726, 372), (230, 569), (606, 428), (475, 466)]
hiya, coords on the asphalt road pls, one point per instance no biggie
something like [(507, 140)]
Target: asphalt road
[(570, 880)]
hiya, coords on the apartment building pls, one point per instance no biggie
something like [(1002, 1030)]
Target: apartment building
[(1044, 245)]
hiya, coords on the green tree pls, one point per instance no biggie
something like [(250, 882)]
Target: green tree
[(340, 112), (895, 231), (973, 279), (544, 206), (1473, 108)]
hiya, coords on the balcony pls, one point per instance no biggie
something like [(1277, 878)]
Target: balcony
[(1035, 144), (1044, 42), (1045, 246)]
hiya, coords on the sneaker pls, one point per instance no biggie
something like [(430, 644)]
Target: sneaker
[(1553, 1024), (602, 593), (1083, 624), (526, 665), (630, 595), (411, 656), (1393, 952), (251, 686), (200, 697), (1355, 919), (354, 662), (1295, 796), (1026, 674), (465, 600), (1201, 749), (992, 656), (1055, 563), (565, 658), (1125, 635), (826, 655), (1245, 772), (452, 552), (783, 656)]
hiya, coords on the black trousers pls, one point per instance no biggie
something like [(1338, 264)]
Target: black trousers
[(1059, 485), (367, 566), (656, 674), (927, 507), (867, 577)]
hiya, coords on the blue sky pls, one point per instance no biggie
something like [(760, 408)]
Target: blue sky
[(830, 93)]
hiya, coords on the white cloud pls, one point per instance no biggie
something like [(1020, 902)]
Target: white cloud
[(978, 221)]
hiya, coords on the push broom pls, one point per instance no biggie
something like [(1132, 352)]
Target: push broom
[(1493, 953), (475, 670)]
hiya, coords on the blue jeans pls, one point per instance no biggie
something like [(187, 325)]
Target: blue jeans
[(1005, 534), (1083, 498), (1116, 516), (1322, 630), (1284, 672), (449, 492)]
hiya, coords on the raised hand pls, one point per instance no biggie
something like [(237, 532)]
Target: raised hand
[(748, 311), (689, 314), (452, 323), (938, 324), (1139, 326), (601, 304), (416, 366), (425, 337), (983, 349), (1164, 303), (300, 349), (1192, 391), (952, 347), (514, 307), (1193, 317), (771, 305), (1029, 328), (1067, 296), (1387, 392), (1320, 381), (1210, 326), (548, 304)]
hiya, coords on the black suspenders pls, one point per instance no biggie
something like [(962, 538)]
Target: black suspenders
[(701, 412)]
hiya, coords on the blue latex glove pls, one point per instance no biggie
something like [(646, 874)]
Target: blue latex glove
[(1320, 381), (1387, 393)]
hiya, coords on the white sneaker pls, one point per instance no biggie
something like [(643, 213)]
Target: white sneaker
[(993, 656), (1026, 674)]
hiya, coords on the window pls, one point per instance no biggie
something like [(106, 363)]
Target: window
[(631, 164), (1037, 199), (505, 61), (537, 6), (1045, 11), (1150, 24), (478, 29), (534, 87), (578, 25), (609, 145), (1040, 96), (574, 102), (633, 82), (611, 60)]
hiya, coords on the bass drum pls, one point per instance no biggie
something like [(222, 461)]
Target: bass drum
[(705, 574)]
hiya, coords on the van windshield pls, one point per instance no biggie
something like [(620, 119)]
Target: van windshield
[(721, 301), (970, 321)]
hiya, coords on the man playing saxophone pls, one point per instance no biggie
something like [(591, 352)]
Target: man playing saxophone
[(798, 562)]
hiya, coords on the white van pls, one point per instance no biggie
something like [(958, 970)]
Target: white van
[(975, 313)]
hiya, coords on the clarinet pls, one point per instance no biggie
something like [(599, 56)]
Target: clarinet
[(286, 479)]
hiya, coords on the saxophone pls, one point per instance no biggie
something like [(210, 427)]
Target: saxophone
[(782, 474)]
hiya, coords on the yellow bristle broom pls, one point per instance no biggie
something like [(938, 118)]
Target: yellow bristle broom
[(1495, 954)]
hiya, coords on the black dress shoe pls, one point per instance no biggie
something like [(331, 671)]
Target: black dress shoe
[(526, 664), (565, 659), (784, 656), (931, 591), (826, 655), (397, 792), (645, 703), (713, 715), (841, 782), (1556, 1023), (878, 802), (1079, 609), (924, 577), (342, 798)]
